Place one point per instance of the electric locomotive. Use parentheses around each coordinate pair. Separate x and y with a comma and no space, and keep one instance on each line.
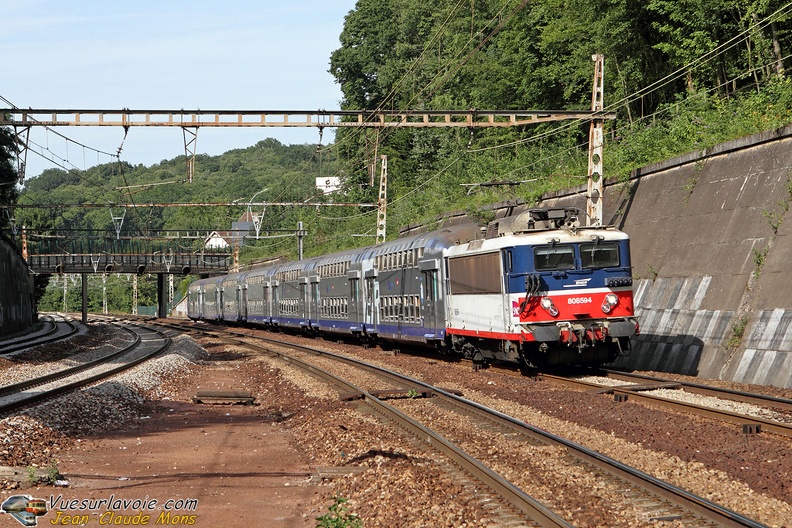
(542,291)
(536,288)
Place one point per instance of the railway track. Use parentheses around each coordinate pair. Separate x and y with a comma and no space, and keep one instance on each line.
(537,513)
(146,343)
(657,499)
(646,388)
(57,328)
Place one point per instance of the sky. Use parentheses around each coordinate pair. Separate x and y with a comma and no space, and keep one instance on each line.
(167,55)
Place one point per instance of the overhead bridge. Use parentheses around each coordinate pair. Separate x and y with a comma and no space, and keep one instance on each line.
(138,263)
(163,254)
(167,253)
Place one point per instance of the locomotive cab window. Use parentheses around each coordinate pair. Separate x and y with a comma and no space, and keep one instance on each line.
(602,255)
(550,258)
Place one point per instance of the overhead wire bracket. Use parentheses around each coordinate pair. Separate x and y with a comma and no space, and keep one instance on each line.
(257,219)
(118,221)
(190,141)
(22,136)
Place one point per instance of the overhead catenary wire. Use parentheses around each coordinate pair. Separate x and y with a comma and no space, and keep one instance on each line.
(49,129)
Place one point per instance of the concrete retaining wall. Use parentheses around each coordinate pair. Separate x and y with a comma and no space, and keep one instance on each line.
(17,304)
(712,255)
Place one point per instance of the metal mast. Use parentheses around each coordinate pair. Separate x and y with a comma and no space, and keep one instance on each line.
(596,136)
(383,201)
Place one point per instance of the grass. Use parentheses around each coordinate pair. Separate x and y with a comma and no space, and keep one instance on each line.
(338,516)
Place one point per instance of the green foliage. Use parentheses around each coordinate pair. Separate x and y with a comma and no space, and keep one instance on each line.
(8,175)
(688,188)
(32,478)
(738,331)
(759,257)
(774,218)
(53,472)
(338,516)
(652,271)
(118,288)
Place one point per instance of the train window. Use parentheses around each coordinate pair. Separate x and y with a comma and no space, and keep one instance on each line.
(475,274)
(602,255)
(549,258)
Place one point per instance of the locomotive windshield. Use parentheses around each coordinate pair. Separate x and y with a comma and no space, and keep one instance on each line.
(554,258)
(602,255)
(559,257)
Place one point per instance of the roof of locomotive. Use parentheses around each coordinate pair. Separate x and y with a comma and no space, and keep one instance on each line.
(540,237)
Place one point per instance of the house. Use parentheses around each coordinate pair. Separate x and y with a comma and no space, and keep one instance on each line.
(218,240)
(233,238)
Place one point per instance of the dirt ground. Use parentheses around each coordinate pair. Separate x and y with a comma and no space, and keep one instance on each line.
(225,463)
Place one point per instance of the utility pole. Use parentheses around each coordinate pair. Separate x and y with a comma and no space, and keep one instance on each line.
(596,138)
(170,289)
(382,202)
(134,294)
(104,293)
(300,234)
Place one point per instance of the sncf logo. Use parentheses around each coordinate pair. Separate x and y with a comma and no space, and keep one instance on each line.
(578,283)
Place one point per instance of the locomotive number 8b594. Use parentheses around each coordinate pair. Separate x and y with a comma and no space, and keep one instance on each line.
(537,289)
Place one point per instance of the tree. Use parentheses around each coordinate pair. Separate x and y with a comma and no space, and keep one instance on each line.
(8,174)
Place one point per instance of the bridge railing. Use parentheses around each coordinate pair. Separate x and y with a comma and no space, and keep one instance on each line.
(177,263)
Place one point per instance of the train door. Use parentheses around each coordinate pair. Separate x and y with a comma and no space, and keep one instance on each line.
(242,302)
(371,304)
(266,301)
(220,304)
(313,305)
(522,286)
(354,297)
(400,299)
(430,294)
(275,299)
(202,301)
(303,300)
(509,310)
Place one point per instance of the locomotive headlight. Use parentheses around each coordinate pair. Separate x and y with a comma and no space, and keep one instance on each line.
(547,304)
(611,300)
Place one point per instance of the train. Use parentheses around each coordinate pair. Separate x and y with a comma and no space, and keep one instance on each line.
(535,289)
